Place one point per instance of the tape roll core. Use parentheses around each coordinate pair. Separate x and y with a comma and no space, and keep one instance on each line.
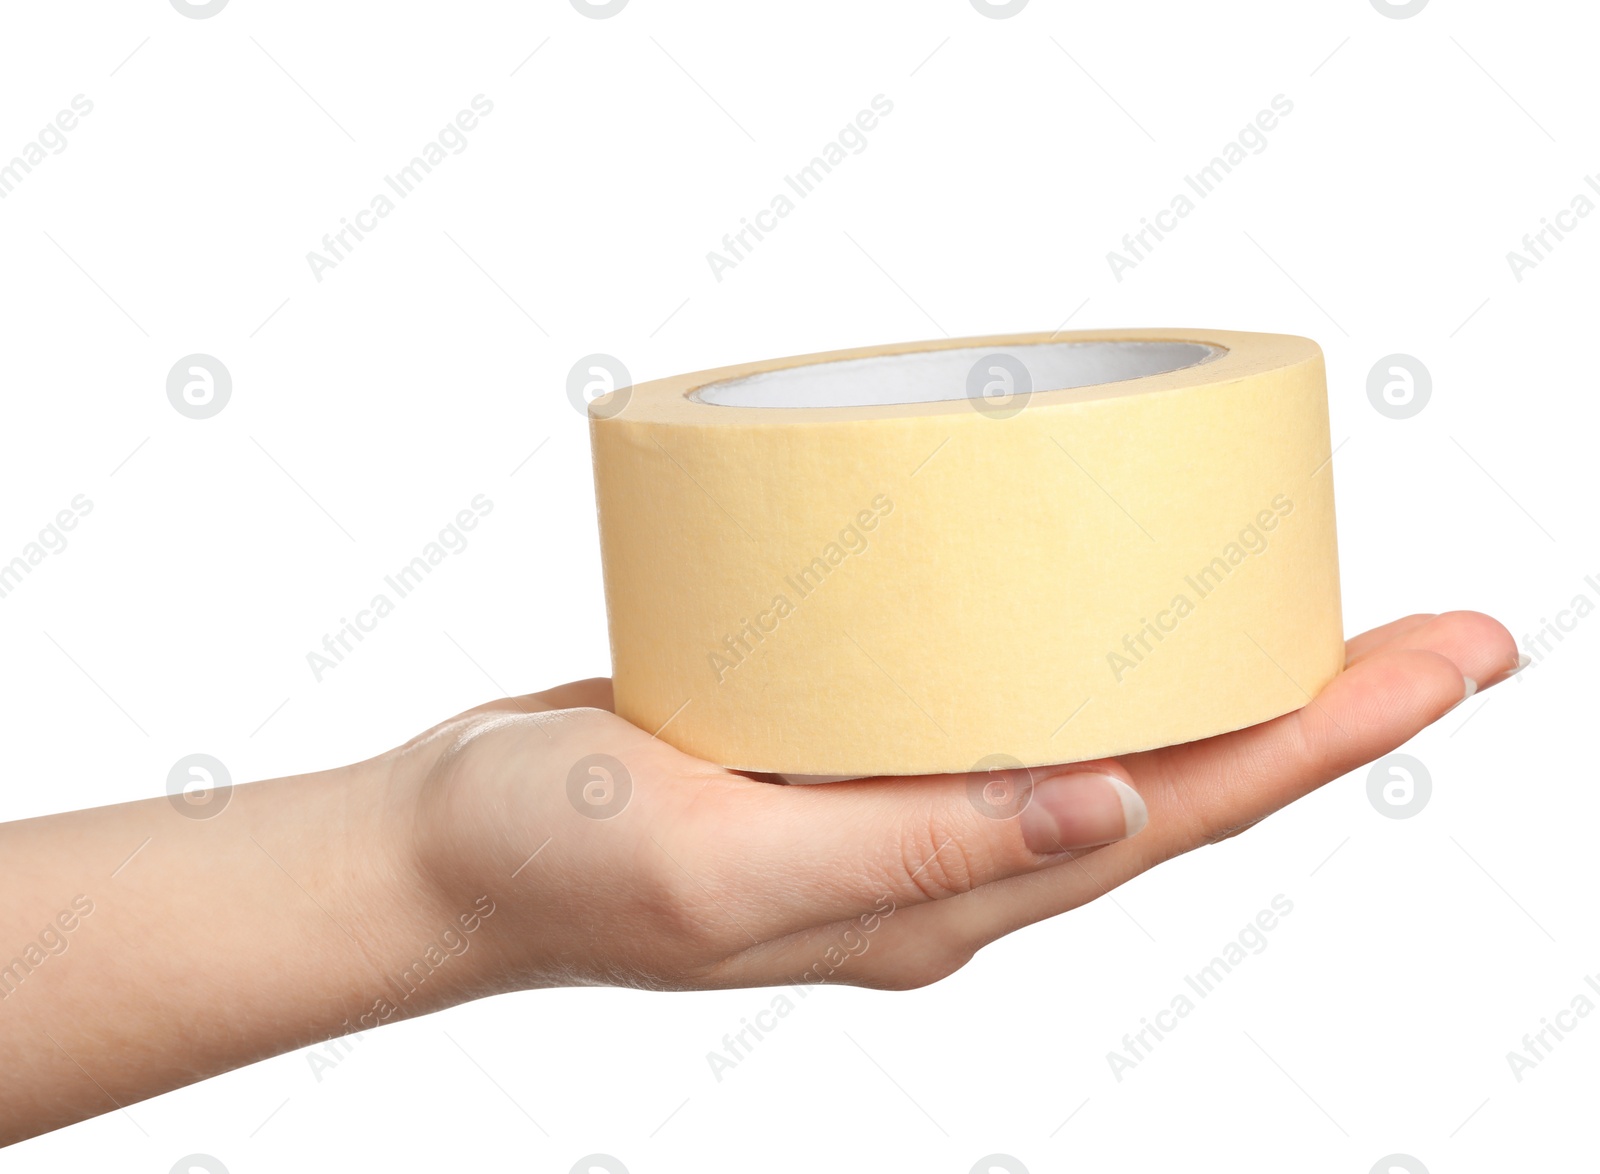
(917,558)
(928,376)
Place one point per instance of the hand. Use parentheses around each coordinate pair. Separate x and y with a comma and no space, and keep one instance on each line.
(701,877)
(471,861)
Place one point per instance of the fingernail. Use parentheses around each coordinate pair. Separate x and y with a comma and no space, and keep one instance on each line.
(1523,661)
(1472,687)
(1079,810)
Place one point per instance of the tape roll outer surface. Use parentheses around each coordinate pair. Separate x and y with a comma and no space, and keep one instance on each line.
(929,587)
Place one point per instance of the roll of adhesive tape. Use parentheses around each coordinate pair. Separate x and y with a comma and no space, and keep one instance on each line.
(952,555)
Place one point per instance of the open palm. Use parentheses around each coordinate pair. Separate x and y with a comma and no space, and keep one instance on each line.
(677,873)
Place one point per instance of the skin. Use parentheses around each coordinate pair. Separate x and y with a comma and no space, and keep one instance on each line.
(296,911)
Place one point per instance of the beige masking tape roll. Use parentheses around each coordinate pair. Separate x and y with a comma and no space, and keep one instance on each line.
(946,556)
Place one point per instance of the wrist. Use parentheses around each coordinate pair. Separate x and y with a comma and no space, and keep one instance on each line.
(416,947)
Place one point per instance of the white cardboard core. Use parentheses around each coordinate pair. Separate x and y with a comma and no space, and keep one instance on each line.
(965,373)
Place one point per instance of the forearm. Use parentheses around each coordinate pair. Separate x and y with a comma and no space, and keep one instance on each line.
(142,949)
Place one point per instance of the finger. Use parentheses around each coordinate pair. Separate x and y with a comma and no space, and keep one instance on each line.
(1369,642)
(875,949)
(593,693)
(1196,794)
(1476,644)
(590,693)
(1210,788)
(1216,786)
(831,852)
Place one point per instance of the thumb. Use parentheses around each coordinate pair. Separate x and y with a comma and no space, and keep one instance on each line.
(833,851)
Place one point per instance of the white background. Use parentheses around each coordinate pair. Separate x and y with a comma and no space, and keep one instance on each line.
(371,406)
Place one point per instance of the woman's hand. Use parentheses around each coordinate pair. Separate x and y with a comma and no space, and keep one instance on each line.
(614,859)
(541,841)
